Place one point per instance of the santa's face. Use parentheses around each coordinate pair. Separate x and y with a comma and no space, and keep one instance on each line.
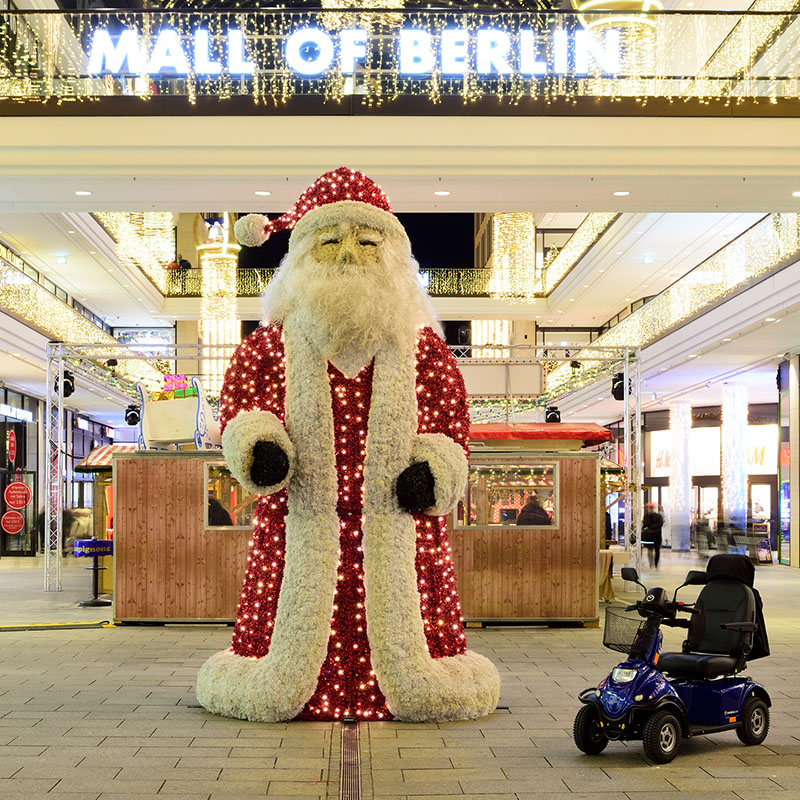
(342,246)
(354,289)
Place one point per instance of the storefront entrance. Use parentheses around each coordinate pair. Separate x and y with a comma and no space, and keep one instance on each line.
(18,534)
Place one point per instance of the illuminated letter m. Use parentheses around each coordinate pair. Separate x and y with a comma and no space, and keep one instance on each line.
(104,57)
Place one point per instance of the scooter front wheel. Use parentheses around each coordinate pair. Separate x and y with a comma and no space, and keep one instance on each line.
(587,733)
(661,737)
(755,721)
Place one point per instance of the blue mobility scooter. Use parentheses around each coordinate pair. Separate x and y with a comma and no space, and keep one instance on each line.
(662,698)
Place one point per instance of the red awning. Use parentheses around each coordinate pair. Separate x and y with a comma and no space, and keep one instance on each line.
(100,458)
(589,432)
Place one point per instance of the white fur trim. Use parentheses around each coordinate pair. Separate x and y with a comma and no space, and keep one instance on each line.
(353,211)
(277,686)
(250,230)
(416,687)
(448,464)
(241,435)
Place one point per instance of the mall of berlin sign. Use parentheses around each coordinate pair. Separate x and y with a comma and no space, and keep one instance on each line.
(310,52)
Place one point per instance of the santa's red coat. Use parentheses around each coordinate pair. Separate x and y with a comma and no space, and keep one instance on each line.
(347,685)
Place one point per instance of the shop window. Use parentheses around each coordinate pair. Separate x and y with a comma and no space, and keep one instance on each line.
(229,503)
(510,494)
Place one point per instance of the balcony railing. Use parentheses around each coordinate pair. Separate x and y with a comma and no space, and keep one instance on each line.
(439,283)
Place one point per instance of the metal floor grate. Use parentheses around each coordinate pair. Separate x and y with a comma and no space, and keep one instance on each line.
(350,774)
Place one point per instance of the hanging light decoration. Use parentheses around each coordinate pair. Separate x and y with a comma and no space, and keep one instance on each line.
(513,261)
(219,324)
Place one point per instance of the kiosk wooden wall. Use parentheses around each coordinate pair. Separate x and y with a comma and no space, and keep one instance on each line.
(511,573)
(168,566)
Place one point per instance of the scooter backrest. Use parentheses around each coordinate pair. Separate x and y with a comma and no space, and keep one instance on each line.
(731,567)
(719,602)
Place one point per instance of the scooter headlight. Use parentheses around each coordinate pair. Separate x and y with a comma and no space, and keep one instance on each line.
(620,675)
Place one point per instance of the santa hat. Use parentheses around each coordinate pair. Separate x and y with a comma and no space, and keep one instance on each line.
(337,196)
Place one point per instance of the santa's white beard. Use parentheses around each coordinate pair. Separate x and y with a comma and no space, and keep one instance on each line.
(350,312)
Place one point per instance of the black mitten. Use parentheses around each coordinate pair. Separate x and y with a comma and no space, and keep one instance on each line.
(415,488)
(270,464)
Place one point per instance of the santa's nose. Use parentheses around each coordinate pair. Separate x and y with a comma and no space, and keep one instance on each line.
(347,251)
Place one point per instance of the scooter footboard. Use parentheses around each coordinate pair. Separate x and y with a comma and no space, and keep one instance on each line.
(715,703)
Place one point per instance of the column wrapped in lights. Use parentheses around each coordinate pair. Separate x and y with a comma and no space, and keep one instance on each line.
(734,455)
(680,422)
(513,263)
(490,338)
(219,324)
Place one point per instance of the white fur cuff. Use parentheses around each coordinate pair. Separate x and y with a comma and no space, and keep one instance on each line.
(448,465)
(241,435)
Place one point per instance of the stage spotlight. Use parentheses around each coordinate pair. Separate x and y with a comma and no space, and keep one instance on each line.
(552,414)
(133,415)
(69,384)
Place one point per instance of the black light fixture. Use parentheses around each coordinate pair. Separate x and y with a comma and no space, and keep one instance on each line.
(618,386)
(133,414)
(552,414)
(69,384)
(112,362)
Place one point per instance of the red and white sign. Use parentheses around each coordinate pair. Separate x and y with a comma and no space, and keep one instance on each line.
(12,446)
(17,495)
(12,522)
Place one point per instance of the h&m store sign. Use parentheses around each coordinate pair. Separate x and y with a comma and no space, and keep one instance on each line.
(311,52)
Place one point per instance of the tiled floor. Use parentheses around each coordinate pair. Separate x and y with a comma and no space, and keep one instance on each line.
(111,714)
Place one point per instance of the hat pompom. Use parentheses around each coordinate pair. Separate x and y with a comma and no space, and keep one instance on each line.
(252,230)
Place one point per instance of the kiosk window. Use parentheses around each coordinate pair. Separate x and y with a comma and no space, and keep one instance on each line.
(228,503)
(505,495)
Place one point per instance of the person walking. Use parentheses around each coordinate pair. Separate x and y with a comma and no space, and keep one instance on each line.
(651,533)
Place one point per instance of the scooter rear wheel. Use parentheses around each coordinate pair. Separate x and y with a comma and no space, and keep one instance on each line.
(587,733)
(661,737)
(755,721)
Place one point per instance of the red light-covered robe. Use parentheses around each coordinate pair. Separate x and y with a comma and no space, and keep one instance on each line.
(349,605)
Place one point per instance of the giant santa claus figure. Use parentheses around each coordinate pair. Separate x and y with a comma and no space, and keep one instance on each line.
(347,414)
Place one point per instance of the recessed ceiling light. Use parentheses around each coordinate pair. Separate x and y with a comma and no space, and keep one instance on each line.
(621,194)
(141,299)
(663,369)
(572,299)
(83,193)
(727,339)
(795,194)
(601,270)
(125,285)
(647,259)
(16,355)
(560,311)
(442,193)
(263,193)
(61,259)
(70,231)
(627,299)
(585,285)
(770,319)
(693,355)
(92,252)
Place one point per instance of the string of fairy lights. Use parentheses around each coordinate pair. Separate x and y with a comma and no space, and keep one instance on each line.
(675,56)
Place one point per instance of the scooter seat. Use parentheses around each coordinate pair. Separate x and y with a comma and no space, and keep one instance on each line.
(696,665)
